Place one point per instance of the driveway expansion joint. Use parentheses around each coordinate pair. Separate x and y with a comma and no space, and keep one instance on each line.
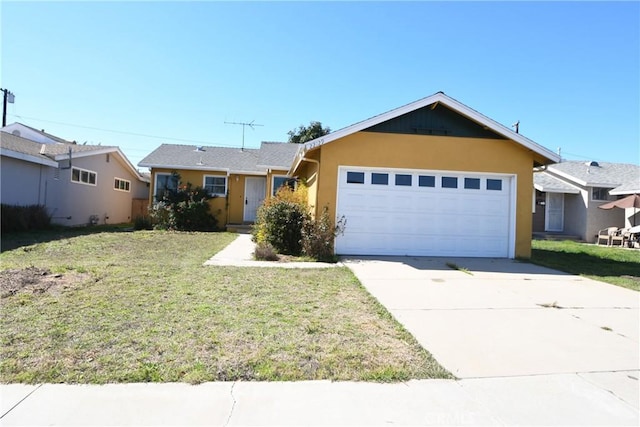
(20,401)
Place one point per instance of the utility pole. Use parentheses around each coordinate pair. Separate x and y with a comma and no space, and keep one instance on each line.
(8,97)
(251,125)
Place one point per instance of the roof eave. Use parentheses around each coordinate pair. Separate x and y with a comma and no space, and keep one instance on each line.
(27,157)
(447,101)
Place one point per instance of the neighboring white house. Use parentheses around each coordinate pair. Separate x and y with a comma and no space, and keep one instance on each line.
(568,195)
(78,184)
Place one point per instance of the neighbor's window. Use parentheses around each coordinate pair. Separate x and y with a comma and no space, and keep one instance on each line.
(216,185)
(494,184)
(426,181)
(403,179)
(599,193)
(449,182)
(121,184)
(165,182)
(355,177)
(472,183)
(380,178)
(279,181)
(83,176)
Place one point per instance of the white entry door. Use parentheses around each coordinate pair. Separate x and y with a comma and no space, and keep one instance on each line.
(554,214)
(254,191)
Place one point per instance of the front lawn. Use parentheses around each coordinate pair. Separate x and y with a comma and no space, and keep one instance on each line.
(618,266)
(140,306)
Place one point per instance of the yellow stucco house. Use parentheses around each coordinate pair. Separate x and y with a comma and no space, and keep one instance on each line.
(239,179)
(431,178)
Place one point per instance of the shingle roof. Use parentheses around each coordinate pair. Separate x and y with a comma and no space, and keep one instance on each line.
(58,149)
(20,145)
(606,175)
(48,154)
(542,181)
(251,160)
(277,155)
(45,134)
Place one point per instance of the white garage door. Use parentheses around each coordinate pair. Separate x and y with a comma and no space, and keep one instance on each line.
(425,213)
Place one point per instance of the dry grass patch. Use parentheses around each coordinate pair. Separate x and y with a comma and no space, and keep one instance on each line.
(143,308)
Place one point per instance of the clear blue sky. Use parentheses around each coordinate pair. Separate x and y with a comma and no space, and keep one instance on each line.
(568,71)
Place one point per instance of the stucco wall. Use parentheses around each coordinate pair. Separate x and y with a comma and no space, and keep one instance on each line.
(575,215)
(72,203)
(431,152)
(22,183)
(227,210)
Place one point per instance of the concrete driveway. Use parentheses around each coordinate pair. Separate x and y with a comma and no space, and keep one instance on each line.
(503,318)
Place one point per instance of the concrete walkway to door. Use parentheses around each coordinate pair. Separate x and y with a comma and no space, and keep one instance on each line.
(498,318)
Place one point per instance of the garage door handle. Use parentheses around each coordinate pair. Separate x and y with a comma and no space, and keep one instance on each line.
(246,201)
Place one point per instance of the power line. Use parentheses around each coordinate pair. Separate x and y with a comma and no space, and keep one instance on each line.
(124,132)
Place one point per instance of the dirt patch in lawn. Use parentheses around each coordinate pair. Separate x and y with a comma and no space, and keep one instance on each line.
(37,281)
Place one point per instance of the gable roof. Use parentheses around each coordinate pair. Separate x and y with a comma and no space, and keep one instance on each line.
(622,178)
(23,149)
(12,128)
(543,181)
(277,155)
(50,154)
(271,155)
(447,101)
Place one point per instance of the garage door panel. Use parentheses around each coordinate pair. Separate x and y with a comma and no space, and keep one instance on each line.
(424,221)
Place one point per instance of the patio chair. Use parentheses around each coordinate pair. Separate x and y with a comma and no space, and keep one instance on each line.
(606,234)
(620,238)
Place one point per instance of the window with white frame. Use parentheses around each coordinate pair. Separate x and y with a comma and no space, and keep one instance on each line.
(121,184)
(599,193)
(280,180)
(83,176)
(215,185)
(165,182)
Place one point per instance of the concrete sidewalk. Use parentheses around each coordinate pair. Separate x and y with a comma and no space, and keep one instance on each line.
(535,400)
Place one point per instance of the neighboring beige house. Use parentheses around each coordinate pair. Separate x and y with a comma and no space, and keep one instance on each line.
(567,196)
(78,184)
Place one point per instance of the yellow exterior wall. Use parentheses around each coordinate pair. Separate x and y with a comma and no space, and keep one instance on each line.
(229,210)
(196,178)
(375,149)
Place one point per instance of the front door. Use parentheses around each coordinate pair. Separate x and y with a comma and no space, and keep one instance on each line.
(554,212)
(254,192)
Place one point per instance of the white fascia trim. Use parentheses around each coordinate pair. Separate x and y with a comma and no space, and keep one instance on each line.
(256,173)
(615,192)
(27,157)
(449,102)
(582,182)
(80,154)
(278,168)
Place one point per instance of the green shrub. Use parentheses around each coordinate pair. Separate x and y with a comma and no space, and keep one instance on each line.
(318,236)
(280,220)
(284,223)
(186,209)
(24,218)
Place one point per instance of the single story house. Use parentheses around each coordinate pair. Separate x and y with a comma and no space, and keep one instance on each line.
(239,179)
(430,178)
(568,195)
(78,184)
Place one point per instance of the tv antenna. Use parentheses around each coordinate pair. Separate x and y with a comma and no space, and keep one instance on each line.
(244,125)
